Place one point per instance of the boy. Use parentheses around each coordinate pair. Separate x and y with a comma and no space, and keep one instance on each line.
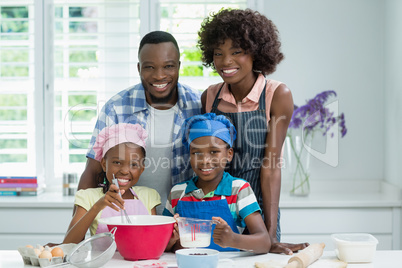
(228,200)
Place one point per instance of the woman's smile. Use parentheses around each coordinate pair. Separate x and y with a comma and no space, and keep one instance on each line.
(229,72)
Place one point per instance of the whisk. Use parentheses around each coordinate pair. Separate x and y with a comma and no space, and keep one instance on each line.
(115,182)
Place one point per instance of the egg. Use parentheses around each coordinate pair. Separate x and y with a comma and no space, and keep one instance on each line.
(37,251)
(46,255)
(41,248)
(57,252)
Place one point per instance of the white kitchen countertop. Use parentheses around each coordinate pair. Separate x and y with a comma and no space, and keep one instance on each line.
(382,259)
(43,200)
(345,193)
(325,194)
(339,200)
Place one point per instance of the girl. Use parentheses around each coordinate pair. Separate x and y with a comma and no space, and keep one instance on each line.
(214,193)
(243,47)
(121,152)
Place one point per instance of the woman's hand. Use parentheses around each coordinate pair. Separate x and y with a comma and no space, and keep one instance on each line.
(287,248)
(223,234)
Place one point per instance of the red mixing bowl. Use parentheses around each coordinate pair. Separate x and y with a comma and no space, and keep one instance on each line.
(146,237)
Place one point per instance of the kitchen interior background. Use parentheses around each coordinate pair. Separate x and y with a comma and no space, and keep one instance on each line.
(61,60)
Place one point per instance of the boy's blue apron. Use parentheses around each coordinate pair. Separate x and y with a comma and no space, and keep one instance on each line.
(252,128)
(205,210)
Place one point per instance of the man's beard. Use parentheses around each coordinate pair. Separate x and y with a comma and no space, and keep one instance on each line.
(163,100)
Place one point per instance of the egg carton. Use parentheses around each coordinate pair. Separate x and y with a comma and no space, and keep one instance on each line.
(30,258)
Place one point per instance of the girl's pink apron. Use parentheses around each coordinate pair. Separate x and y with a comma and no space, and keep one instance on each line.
(133,207)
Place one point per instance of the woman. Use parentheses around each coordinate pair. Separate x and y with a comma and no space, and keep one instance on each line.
(243,47)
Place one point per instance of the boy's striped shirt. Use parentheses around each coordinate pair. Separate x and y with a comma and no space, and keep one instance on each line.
(237,192)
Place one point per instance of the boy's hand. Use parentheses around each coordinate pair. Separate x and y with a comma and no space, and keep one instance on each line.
(223,234)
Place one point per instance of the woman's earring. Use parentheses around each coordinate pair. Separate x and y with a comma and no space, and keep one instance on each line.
(254,70)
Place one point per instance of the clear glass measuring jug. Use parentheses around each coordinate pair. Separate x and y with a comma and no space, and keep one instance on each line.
(194,232)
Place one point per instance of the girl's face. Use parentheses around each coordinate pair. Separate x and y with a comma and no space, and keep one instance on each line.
(233,64)
(208,158)
(126,162)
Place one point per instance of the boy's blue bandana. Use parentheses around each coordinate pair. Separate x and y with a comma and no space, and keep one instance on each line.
(208,124)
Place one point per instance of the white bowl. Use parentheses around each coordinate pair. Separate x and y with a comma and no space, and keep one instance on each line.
(197,258)
(355,247)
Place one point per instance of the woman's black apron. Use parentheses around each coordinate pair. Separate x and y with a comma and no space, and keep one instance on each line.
(249,146)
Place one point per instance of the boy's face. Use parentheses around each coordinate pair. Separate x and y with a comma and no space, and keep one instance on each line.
(126,162)
(209,156)
(159,71)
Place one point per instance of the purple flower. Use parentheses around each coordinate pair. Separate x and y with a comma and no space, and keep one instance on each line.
(315,116)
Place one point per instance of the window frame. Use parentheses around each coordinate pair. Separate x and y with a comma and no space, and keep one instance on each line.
(44,77)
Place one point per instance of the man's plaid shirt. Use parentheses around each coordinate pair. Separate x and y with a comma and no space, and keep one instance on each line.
(129,106)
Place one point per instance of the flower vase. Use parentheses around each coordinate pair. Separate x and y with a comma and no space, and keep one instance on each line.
(298,163)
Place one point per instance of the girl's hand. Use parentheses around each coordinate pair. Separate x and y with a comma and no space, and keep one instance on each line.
(112,198)
(175,235)
(223,234)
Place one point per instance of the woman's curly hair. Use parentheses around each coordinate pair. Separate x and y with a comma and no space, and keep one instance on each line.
(248,30)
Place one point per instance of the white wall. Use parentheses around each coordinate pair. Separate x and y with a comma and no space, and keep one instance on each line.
(393,92)
(339,45)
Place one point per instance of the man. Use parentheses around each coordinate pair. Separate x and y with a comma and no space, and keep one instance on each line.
(160,104)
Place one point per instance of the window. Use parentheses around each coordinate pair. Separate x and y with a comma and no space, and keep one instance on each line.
(183,20)
(60,61)
(17,88)
(95,55)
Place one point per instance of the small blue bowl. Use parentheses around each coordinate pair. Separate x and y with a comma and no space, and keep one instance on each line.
(197,258)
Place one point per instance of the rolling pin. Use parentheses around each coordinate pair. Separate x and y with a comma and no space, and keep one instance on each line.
(306,256)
